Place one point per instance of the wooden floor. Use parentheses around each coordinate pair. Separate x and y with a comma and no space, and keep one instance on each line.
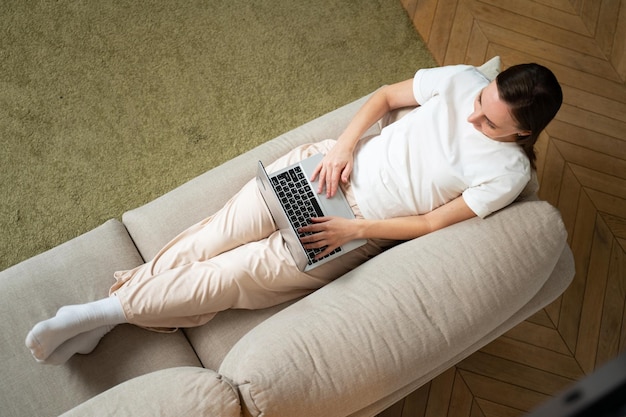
(582,168)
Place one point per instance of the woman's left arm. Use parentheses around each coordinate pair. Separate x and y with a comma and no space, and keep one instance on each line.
(335,231)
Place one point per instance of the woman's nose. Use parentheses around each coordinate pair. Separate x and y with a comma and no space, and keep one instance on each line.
(474,117)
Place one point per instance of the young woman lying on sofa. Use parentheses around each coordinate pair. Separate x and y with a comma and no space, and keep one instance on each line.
(466,150)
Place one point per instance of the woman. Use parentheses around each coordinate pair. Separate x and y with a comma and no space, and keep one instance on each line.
(465,151)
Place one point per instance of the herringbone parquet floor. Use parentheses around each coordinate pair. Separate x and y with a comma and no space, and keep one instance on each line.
(582,169)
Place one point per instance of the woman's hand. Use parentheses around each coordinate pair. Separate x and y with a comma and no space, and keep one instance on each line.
(336,166)
(329,232)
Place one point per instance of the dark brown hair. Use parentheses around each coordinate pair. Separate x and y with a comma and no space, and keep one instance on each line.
(534,96)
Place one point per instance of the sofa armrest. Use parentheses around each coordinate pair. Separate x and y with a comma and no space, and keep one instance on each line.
(175,392)
(403,317)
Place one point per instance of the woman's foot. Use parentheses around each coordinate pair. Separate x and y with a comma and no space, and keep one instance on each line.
(71,321)
(84,343)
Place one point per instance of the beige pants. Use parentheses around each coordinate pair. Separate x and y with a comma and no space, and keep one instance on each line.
(233,259)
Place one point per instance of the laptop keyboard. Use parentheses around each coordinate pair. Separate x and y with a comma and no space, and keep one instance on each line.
(298,199)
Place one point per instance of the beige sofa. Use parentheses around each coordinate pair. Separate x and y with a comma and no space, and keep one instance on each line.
(352,348)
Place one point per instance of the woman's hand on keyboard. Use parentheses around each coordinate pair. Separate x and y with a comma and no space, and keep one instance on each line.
(329,233)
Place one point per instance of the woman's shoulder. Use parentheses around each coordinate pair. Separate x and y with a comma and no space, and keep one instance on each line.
(451,79)
(451,71)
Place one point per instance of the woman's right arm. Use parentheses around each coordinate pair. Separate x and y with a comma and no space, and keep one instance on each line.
(338,163)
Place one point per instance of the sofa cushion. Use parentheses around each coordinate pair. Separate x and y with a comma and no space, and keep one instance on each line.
(77,271)
(436,299)
(176,392)
(213,341)
(491,68)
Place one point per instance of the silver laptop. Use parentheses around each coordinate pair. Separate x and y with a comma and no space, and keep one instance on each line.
(292,200)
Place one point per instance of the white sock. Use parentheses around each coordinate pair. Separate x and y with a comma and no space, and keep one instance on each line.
(70,321)
(84,343)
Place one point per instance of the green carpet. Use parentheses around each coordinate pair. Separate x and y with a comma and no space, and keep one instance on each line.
(105,105)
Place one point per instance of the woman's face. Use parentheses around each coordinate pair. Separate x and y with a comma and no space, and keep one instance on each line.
(492,117)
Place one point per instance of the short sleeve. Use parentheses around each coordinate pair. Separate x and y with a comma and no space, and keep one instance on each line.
(495,194)
(429,82)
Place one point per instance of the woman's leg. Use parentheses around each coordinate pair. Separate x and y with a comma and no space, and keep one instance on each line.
(255,275)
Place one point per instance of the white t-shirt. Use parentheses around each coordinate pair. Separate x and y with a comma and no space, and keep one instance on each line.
(433,154)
